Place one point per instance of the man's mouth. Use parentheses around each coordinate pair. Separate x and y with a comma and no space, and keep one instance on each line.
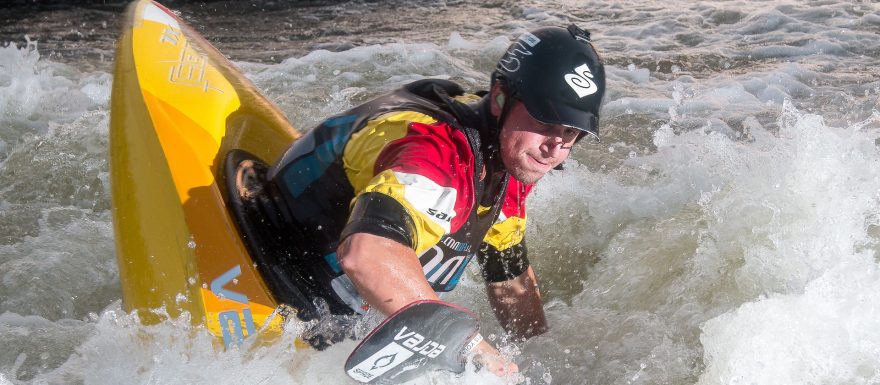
(537,160)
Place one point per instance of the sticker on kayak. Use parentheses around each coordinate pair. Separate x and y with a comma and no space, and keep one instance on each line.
(154,13)
(191,66)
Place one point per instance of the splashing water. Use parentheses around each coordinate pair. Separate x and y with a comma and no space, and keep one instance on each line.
(726,231)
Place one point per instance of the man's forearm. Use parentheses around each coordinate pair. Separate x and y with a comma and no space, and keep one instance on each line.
(386,274)
(517,305)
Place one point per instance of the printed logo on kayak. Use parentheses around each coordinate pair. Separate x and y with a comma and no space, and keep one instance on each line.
(191,68)
(581,81)
(425,195)
(406,344)
(230,320)
(154,13)
(512,60)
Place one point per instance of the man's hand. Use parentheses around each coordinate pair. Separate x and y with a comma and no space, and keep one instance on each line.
(388,276)
(491,359)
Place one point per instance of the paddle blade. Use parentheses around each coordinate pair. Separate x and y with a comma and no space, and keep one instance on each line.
(423,336)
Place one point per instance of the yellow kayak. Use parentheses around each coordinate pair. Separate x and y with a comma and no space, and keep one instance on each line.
(178,106)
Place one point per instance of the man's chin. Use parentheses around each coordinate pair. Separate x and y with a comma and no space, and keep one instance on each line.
(527,177)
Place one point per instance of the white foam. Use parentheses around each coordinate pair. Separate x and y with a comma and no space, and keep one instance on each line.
(821,280)
(711,226)
(635,75)
(825,335)
(68,266)
(34,92)
(456,41)
(320,83)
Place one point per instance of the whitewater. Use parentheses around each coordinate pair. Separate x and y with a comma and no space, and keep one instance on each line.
(725,231)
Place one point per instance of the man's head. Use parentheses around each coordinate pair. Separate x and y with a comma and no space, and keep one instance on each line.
(546,92)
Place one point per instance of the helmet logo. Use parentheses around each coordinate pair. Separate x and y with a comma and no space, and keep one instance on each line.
(581,81)
(530,39)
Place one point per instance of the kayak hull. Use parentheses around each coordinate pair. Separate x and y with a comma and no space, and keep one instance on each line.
(177,107)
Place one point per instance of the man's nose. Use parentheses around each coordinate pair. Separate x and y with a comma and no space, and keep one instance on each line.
(554,145)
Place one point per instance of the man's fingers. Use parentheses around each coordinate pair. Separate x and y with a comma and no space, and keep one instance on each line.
(492,360)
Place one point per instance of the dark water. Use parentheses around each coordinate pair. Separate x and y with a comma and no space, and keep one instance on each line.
(256,31)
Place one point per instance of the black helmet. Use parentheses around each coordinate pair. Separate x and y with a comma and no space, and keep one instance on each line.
(558,75)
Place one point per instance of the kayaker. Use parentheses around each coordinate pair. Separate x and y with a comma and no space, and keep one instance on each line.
(388,202)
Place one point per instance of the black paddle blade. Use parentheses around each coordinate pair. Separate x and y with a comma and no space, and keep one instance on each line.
(423,336)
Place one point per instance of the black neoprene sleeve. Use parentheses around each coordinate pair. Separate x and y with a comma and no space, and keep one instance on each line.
(379,214)
(502,265)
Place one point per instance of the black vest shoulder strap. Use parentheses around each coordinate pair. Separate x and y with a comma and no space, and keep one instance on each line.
(433,97)
(466,119)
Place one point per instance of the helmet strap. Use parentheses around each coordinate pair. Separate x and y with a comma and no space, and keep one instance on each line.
(499,125)
(500,100)
(502,118)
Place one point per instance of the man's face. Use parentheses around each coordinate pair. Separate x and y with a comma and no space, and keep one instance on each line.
(530,148)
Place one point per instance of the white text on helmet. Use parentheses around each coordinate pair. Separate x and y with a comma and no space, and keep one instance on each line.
(511,60)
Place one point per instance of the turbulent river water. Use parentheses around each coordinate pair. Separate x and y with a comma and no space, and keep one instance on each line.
(726,230)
